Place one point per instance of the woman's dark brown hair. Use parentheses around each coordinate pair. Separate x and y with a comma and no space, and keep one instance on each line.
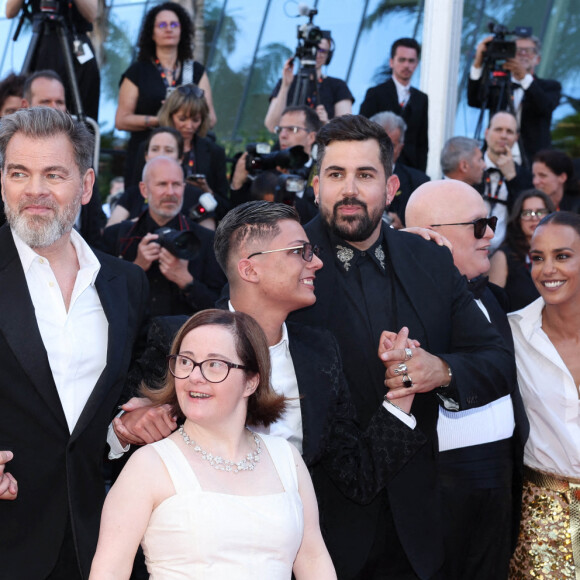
(264,405)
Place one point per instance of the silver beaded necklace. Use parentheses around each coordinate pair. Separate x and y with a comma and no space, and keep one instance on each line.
(217,462)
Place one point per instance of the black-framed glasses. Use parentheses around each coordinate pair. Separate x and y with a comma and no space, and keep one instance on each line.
(290,128)
(164,25)
(191,91)
(213,370)
(528,214)
(308,250)
(479,225)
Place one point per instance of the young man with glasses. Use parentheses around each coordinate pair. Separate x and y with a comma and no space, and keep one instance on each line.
(481,450)
(534,99)
(376,279)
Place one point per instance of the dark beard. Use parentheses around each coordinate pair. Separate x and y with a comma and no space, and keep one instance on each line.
(354,228)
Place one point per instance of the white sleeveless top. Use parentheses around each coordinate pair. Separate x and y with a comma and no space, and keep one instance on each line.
(204,535)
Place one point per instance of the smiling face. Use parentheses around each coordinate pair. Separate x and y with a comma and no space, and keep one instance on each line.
(352,190)
(203,402)
(42,188)
(285,278)
(186,124)
(555,256)
(404,64)
(547,181)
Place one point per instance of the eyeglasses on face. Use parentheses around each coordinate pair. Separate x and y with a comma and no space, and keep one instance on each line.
(191,91)
(213,370)
(290,128)
(307,251)
(525,51)
(323,50)
(529,214)
(164,25)
(479,225)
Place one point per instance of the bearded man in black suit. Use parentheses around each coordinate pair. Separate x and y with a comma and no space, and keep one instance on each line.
(397,95)
(69,318)
(376,279)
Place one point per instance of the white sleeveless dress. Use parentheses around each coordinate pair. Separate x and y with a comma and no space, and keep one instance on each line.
(203,535)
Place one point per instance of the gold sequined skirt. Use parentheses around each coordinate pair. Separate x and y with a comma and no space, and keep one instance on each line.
(549,541)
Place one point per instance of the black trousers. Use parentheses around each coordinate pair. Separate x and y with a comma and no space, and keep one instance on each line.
(476,497)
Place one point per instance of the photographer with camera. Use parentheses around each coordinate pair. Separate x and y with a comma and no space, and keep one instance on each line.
(175,252)
(298,128)
(534,99)
(328,96)
(76,17)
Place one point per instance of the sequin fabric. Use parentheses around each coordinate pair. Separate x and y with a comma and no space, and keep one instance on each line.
(548,527)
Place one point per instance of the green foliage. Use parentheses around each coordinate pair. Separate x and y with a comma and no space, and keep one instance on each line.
(566,135)
(118,52)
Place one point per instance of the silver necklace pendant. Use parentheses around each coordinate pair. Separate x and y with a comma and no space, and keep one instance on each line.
(217,462)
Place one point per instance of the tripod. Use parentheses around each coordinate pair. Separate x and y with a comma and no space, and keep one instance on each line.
(41,23)
(305,79)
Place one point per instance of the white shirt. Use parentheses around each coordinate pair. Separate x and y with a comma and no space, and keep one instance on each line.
(75,341)
(403,92)
(492,422)
(550,396)
(499,209)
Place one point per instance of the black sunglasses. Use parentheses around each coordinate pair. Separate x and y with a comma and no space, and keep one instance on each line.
(191,90)
(479,225)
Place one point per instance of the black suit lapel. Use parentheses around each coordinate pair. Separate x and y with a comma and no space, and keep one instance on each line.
(20,328)
(112,292)
(393,97)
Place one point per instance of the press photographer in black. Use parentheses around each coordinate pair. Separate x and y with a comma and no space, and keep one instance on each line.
(77,17)
(298,127)
(534,99)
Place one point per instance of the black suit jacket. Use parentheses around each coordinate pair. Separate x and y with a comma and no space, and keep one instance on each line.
(59,473)
(383,97)
(410,179)
(538,104)
(440,312)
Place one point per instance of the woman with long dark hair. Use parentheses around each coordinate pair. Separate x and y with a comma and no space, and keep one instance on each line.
(164,61)
(546,337)
(510,265)
(553,172)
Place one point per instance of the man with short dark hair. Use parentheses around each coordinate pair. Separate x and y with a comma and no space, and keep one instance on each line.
(69,320)
(397,95)
(534,99)
(298,126)
(11,89)
(179,285)
(462,159)
(44,89)
(376,279)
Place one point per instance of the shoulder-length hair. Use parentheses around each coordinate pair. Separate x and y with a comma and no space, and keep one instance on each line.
(146,44)
(515,238)
(264,405)
(191,100)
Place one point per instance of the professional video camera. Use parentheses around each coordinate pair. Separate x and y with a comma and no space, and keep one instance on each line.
(183,245)
(309,37)
(260,158)
(499,49)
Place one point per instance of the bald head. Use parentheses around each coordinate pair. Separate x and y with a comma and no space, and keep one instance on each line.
(453,202)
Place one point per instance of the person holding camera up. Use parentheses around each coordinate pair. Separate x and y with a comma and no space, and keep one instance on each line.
(298,127)
(178,284)
(534,99)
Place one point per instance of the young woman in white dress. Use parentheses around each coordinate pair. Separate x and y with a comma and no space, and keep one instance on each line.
(214,500)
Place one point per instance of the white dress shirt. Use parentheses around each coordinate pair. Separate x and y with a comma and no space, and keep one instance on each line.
(492,422)
(499,209)
(550,396)
(403,92)
(75,340)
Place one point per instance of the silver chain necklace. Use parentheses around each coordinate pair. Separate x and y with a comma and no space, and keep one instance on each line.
(217,462)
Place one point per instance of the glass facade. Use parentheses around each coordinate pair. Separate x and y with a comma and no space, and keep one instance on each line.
(248,42)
